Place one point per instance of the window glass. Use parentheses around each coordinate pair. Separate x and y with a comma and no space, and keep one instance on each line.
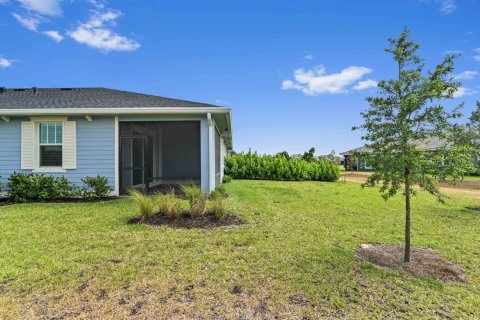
(58,133)
(51,133)
(51,138)
(50,156)
(43,133)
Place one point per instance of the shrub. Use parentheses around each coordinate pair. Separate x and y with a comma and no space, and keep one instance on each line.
(196,199)
(226,179)
(170,205)
(218,207)
(144,203)
(95,187)
(218,191)
(278,167)
(32,187)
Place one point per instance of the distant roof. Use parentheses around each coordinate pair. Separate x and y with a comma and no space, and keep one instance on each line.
(431,143)
(61,98)
(359,150)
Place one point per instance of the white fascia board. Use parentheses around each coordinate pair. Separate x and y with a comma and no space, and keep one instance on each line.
(108,111)
(230,127)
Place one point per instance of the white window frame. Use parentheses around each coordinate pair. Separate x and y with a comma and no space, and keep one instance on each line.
(37,121)
(42,144)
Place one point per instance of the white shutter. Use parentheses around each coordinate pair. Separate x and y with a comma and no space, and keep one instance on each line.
(69,145)
(28,142)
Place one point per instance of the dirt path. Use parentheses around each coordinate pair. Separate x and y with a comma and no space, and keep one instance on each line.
(468,185)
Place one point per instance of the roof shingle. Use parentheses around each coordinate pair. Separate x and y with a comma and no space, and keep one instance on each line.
(60,98)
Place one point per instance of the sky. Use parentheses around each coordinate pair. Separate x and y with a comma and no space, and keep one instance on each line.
(295,73)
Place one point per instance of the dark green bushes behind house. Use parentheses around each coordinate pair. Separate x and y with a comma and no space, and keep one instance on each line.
(278,167)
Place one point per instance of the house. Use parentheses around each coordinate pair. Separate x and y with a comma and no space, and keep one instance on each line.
(353,159)
(135,140)
(352,162)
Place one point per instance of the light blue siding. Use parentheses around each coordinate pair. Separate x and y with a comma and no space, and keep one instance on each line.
(95,149)
(10,144)
(95,146)
(203,137)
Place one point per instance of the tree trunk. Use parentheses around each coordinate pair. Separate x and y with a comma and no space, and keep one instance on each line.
(407,216)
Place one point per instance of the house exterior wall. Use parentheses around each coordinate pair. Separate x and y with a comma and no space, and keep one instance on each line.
(351,163)
(96,151)
(204,146)
(95,154)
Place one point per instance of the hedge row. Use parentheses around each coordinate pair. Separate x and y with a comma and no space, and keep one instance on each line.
(278,167)
(31,187)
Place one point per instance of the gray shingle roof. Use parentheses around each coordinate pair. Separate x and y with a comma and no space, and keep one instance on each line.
(431,143)
(360,150)
(59,98)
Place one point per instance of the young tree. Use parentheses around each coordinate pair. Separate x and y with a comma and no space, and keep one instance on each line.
(309,155)
(400,121)
(469,133)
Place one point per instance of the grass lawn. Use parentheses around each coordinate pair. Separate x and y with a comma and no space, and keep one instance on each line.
(293,258)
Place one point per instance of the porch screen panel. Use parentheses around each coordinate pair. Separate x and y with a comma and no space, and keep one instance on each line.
(159,153)
(180,150)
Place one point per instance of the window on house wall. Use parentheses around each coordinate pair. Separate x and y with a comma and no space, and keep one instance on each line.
(51,144)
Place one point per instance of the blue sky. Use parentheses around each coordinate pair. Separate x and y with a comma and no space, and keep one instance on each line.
(295,73)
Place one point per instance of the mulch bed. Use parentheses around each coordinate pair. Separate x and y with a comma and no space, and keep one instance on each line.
(4,202)
(423,263)
(206,221)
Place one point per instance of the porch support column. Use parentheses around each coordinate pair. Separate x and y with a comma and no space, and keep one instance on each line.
(116,190)
(211,154)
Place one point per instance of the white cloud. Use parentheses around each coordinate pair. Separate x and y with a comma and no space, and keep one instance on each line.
(221,102)
(97,33)
(477,54)
(308,57)
(5,63)
(455,52)
(43,7)
(462,91)
(28,22)
(55,35)
(466,75)
(317,81)
(362,85)
(447,6)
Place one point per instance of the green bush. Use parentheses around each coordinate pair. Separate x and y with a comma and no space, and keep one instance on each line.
(170,205)
(144,202)
(23,187)
(226,179)
(218,206)
(218,191)
(278,167)
(95,187)
(196,199)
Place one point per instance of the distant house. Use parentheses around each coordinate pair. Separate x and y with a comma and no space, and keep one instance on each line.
(135,140)
(353,159)
(354,163)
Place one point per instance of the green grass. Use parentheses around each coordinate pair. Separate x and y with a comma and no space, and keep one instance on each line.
(299,239)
